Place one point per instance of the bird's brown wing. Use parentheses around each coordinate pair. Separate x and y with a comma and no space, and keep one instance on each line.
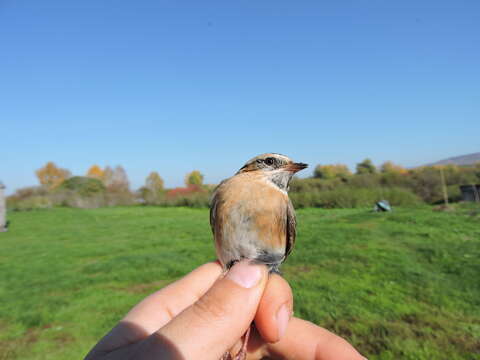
(213,210)
(213,204)
(291,228)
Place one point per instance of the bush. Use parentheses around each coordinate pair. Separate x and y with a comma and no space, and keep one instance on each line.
(83,186)
(119,198)
(29,198)
(73,199)
(350,197)
(192,196)
(366,180)
(196,200)
(30,203)
(332,171)
(312,184)
(80,192)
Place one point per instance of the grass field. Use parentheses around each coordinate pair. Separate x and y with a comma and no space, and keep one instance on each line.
(403,285)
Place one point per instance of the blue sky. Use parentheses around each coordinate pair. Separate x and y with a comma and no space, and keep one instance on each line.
(174,86)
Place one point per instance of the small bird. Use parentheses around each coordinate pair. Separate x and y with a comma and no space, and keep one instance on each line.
(252,217)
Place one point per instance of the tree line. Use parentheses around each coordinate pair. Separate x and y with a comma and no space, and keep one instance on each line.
(331,185)
(105,187)
(334,185)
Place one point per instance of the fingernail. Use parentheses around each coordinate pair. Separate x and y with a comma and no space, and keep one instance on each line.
(283,317)
(244,274)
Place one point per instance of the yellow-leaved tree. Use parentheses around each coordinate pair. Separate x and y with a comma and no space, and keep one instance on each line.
(95,172)
(152,192)
(194,178)
(51,175)
(332,171)
(107,177)
(390,167)
(154,182)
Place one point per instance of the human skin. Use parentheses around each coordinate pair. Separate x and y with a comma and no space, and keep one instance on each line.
(205,314)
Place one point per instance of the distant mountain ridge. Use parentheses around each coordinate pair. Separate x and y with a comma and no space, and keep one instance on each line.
(468,159)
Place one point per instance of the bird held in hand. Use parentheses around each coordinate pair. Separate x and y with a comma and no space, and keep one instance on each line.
(252,217)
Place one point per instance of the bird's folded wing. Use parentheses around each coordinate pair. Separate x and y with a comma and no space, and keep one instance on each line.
(291,228)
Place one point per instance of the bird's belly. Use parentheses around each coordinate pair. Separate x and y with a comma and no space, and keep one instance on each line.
(254,235)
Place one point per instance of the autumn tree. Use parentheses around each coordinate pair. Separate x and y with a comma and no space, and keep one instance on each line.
(332,171)
(366,167)
(152,192)
(119,180)
(107,177)
(95,172)
(194,178)
(390,167)
(52,176)
(154,182)
(118,187)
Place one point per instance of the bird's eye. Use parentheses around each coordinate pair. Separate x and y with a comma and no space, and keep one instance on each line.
(269,161)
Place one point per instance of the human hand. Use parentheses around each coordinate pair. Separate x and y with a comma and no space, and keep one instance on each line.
(204,314)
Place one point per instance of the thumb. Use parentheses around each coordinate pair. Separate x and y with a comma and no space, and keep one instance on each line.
(213,324)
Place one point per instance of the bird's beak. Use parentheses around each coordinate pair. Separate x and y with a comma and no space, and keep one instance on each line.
(295,167)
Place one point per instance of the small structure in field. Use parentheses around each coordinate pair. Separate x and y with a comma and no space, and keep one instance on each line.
(3,209)
(382,205)
(470,192)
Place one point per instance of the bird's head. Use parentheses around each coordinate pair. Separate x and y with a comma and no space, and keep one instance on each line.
(275,167)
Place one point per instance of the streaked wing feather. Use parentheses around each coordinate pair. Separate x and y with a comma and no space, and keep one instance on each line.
(213,205)
(213,210)
(291,228)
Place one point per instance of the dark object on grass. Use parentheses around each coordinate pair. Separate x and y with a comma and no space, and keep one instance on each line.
(382,205)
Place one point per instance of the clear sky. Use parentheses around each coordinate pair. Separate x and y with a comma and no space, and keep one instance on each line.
(174,86)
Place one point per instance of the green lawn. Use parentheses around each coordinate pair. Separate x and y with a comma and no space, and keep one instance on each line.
(404,285)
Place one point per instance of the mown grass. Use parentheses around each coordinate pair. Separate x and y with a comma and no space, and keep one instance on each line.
(397,285)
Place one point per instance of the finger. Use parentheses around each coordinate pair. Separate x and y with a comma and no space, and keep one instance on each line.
(275,309)
(212,325)
(306,341)
(160,307)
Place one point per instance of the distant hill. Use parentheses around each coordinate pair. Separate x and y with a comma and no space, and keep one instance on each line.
(469,159)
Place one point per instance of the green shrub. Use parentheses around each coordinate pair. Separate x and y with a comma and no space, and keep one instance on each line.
(83,186)
(313,184)
(454,193)
(29,198)
(351,197)
(196,200)
(365,180)
(30,203)
(119,197)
